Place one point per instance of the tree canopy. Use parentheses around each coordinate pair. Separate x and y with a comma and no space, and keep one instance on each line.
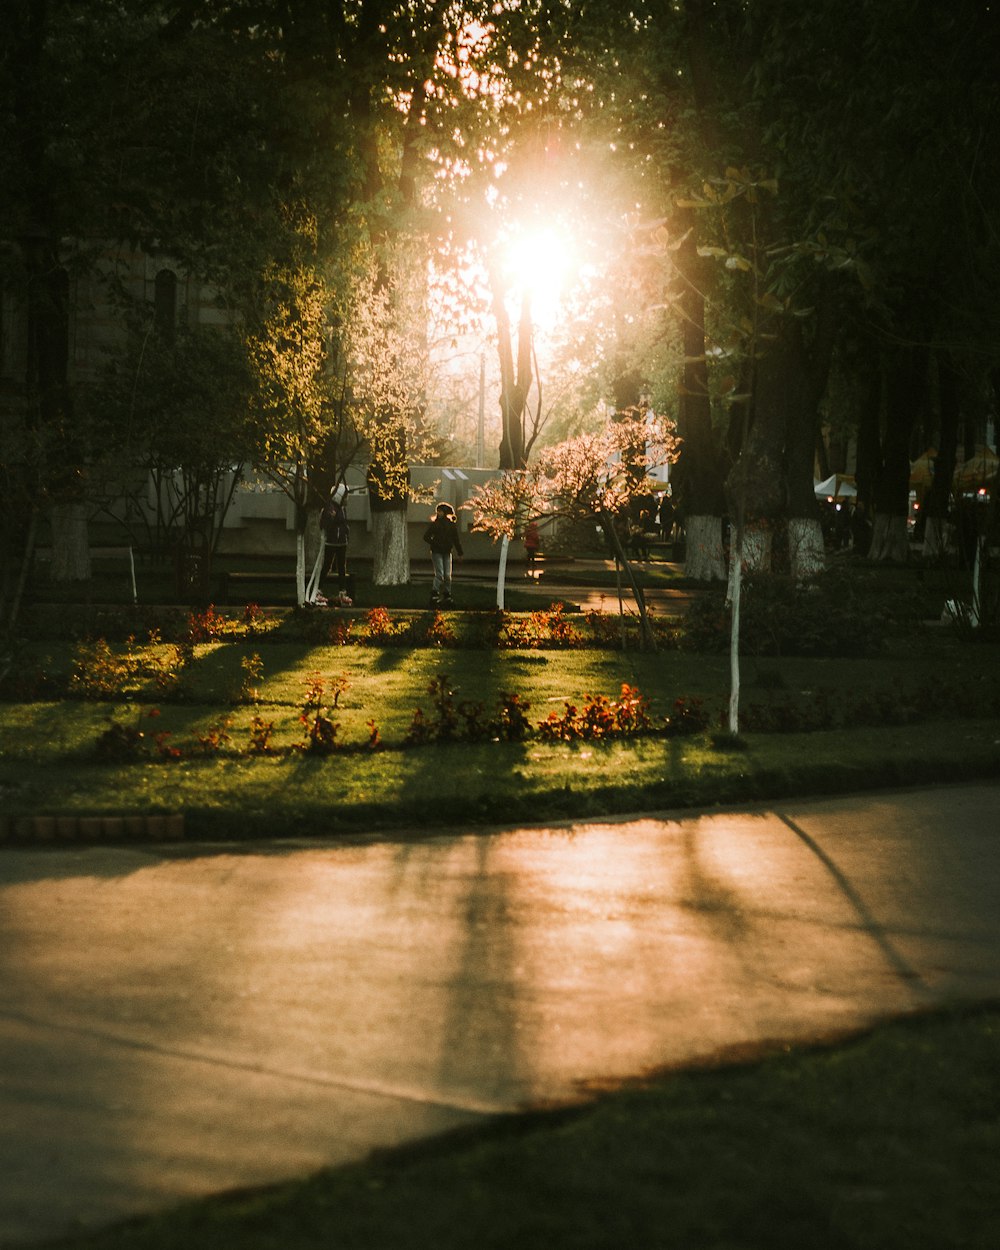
(780,219)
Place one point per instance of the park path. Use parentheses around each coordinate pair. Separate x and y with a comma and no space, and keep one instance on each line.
(557,581)
(179,1020)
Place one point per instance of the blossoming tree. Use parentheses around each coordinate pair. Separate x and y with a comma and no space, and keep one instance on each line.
(596,476)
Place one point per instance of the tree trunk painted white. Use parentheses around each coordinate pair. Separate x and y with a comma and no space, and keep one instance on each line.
(977,589)
(889,541)
(806,554)
(756,545)
(502,572)
(735,596)
(935,538)
(703,558)
(300,568)
(70,543)
(315,584)
(314,536)
(390,549)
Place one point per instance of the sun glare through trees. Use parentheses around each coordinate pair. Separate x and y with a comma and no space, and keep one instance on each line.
(539,263)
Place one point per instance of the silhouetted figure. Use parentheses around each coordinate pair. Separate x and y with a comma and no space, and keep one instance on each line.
(442,538)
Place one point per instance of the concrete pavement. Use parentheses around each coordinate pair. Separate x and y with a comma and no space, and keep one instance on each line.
(180,1020)
(557,580)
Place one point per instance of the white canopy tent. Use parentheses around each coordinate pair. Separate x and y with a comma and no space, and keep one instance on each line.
(836,486)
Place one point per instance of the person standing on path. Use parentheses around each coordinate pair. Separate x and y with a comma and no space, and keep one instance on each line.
(336,533)
(442,538)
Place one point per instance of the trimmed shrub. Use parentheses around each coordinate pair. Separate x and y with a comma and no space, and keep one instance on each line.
(782,617)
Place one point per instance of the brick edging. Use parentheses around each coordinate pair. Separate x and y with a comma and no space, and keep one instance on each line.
(165,827)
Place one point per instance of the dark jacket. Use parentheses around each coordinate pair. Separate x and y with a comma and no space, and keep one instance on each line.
(336,530)
(442,535)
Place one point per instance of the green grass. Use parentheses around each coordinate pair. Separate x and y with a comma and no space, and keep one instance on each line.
(888,1140)
(48,763)
(449,784)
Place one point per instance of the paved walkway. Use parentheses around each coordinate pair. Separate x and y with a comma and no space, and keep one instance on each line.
(559,581)
(179,1020)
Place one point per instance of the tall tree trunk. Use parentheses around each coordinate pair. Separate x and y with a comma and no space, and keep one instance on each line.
(704,552)
(701,470)
(515,374)
(70,542)
(905,397)
(823,460)
(756,485)
(390,548)
(869,440)
(937,498)
(754,541)
(300,500)
(301,573)
(698,474)
(806,555)
(388,494)
(49,409)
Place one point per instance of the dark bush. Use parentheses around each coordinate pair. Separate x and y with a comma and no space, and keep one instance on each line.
(828,616)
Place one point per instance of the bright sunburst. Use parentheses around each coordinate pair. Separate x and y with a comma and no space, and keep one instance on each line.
(539,262)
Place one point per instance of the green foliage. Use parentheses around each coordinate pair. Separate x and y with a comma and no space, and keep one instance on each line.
(545,628)
(170,410)
(101,672)
(177,402)
(382,627)
(511,723)
(97,671)
(321,729)
(467,721)
(448,720)
(253,671)
(599,718)
(440,633)
(216,737)
(780,617)
(261,736)
(120,742)
(207,625)
(823,708)
(287,350)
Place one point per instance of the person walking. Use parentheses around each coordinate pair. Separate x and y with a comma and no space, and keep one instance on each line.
(336,533)
(665,518)
(441,536)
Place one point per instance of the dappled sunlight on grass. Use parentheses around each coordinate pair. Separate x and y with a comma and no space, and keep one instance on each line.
(50,749)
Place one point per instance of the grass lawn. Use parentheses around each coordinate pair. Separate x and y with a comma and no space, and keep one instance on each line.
(889,1140)
(49,761)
